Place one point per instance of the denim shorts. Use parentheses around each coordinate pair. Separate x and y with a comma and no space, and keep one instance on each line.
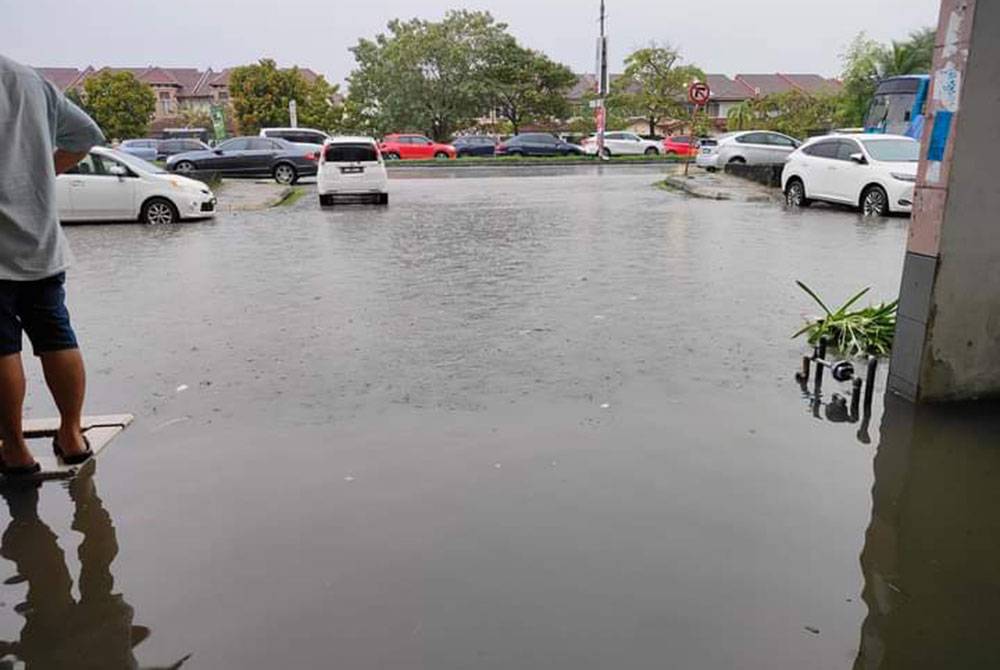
(37,308)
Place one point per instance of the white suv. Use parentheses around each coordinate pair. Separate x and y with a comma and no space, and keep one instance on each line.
(873,172)
(351,166)
(622,144)
(303,136)
(748,147)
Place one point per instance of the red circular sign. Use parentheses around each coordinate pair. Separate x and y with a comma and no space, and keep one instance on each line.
(698,93)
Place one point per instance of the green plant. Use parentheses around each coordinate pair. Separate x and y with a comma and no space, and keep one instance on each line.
(869,330)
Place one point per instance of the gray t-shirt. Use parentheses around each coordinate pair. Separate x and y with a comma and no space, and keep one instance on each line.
(35,120)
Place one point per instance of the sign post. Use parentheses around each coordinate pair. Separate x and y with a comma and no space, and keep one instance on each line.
(218,122)
(698,95)
(600,114)
(293,114)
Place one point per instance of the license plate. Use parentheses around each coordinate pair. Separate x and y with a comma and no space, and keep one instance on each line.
(706,151)
(351,170)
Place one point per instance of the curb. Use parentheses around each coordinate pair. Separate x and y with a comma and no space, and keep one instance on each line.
(685,184)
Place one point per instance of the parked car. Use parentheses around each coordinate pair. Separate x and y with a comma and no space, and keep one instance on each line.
(752,147)
(537,144)
(144,149)
(873,172)
(251,157)
(475,145)
(117,186)
(351,166)
(618,143)
(297,135)
(167,148)
(414,147)
(680,145)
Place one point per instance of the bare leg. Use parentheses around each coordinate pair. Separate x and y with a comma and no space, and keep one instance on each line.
(12,385)
(67,380)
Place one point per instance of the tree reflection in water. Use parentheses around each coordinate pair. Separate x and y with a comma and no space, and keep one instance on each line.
(59,631)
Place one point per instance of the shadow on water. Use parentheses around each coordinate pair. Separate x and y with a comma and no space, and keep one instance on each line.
(94,631)
(931,559)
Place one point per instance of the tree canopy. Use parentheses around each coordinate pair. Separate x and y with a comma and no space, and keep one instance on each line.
(526,85)
(120,104)
(793,113)
(260,94)
(654,85)
(438,77)
(866,62)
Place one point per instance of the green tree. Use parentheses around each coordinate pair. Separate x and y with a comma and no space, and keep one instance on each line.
(795,113)
(120,104)
(866,62)
(525,85)
(741,116)
(260,93)
(654,85)
(424,75)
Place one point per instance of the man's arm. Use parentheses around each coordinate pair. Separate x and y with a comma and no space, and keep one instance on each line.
(64,160)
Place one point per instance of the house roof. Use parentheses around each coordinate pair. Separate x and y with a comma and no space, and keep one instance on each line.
(767,84)
(724,88)
(62,77)
(813,83)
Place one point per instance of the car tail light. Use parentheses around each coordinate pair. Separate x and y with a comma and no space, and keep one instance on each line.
(312,155)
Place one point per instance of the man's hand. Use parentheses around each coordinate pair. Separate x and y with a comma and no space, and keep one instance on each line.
(64,160)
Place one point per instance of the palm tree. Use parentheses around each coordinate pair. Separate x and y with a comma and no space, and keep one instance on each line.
(912,56)
(740,117)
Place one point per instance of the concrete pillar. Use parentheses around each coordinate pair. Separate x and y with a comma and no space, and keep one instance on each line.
(948,336)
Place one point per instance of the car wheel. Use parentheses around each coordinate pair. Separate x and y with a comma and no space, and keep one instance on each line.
(711,169)
(652,151)
(874,201)
(383,198)
(326,200)
(158,211)
(519,154)
(284,173)
(392,156)
(184,166)
(737,160)
(606,152)
(795,194)
(441,155)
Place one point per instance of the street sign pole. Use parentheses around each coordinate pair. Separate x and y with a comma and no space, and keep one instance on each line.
(293,114)
(602,85)
(698,95)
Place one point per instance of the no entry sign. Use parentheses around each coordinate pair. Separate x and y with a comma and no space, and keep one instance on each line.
(698,93)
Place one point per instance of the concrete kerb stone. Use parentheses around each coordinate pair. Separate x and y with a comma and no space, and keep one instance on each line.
(245,195)
(721,187)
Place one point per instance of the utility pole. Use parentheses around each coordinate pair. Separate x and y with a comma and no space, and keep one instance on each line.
(602,83)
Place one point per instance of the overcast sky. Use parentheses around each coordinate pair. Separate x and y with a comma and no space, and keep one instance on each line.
(726,36)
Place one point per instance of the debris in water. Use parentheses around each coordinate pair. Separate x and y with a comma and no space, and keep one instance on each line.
(349,478)
(599,317)
(182,388)
(606,405)
(497,466)
(633,298)
(814,631)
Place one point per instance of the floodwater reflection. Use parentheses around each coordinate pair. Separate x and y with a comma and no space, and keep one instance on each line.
(60,631)
(931,559)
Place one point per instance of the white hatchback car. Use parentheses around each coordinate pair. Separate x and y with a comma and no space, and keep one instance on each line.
(111,185)
(749,147)
(622,144)
(873,172)
(351,166)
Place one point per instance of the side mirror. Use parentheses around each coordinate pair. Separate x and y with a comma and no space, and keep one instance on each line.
(118,170)
(217,152)
(859,158)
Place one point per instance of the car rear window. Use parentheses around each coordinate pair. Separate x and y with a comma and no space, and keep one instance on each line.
(351,153)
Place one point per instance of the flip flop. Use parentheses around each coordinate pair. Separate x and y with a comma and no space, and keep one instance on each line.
(19,471)
(75,459)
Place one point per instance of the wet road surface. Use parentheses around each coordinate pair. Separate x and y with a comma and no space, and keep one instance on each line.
(513,420)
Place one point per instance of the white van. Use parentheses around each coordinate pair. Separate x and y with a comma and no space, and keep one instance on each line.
(351,166)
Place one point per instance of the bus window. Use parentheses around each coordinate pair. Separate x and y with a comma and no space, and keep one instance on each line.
(898,106)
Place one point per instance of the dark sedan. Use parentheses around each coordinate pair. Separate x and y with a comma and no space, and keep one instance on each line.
(251,157)
(167,148)
(538,144)
(474,145)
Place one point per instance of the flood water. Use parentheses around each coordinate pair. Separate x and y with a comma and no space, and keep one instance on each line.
(514,420)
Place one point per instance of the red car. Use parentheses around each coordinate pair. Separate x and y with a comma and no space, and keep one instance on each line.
(680,145)
(414,147)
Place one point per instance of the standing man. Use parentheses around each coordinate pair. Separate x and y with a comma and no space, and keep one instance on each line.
(42,134)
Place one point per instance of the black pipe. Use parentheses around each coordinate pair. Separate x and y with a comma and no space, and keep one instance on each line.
(855,398)
(870,383)
(820,355)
